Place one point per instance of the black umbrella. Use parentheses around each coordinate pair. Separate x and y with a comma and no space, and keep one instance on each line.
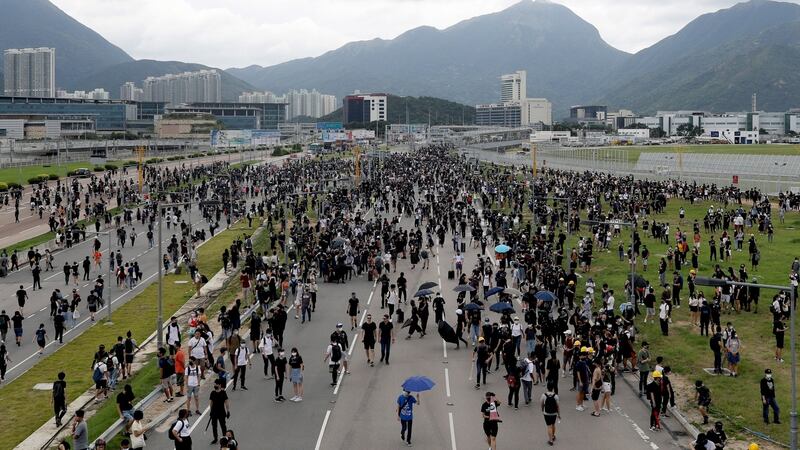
(639,282)
(501,307)
(463,288)
(447,332)
(472,307)
(428,285)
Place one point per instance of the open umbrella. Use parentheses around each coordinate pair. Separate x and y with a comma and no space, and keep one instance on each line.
(502,248)
(493,291)
(463,288)
(477,302)
(423,293)
(639,282)
(512,291)
(428,285)
(473,307)
(447,332)
(501,307)
(418,384)
(545,296)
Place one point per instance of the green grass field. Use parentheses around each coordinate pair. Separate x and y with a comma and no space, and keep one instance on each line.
(736,401)
(21,174)
(634,152)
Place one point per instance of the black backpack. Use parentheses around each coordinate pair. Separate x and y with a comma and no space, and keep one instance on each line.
(550,404)
(336,353)
(170,435)
(58,389)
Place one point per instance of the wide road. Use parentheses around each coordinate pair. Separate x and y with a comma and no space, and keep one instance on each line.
(37,307)
(30,225)
(360,412)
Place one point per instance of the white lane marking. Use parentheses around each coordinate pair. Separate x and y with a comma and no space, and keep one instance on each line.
(444,349)
(322,430)
(452,431)
(369,300)
(636,428)
(352,345)
(83,322)
(447,381)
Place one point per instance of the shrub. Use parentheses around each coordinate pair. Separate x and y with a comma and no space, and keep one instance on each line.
(130,163)
(111,167)
(153,160)
(53,176)
(72,173)
(99,168)
(3,186)
(35,180)
(14,185)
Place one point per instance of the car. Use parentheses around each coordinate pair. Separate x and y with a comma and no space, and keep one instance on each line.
(83,172)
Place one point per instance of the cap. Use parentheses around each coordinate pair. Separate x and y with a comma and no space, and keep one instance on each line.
(768,371)
(459,312)
(645,344)
(692,271)
(568,332)
(339,325)
(656,374)
(481,339)
(571,282)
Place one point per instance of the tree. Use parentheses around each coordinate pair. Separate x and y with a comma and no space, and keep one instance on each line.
(637,125)
(657,133)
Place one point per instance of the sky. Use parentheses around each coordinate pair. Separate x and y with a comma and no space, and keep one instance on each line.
(238,33)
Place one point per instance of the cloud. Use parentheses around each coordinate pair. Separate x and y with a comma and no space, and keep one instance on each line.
(236,33)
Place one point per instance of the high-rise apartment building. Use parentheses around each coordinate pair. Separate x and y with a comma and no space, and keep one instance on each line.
(96,94)
(129,91)
(29,72)
(187,87)
(365,107)
(298,102)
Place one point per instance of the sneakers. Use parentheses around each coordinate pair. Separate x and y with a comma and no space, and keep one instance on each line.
(579,408)
(293,398)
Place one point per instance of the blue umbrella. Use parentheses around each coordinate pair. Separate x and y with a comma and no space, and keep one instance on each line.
(418,384)
(493,291)
(423,293)
(472,307)
(502,248)
(501,307)
(545,296)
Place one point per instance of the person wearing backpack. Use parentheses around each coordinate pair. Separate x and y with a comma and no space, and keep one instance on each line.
(333,356)
(179,431)
(242,359)
(59,398)
(100,379)
(551,412)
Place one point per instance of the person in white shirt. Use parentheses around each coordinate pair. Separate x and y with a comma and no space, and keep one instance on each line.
(610,303)
(137,431)
(516,333)
(242,357)
(266,347)
(173,334)
(197,350)
(181,431)
(663,315)
(527,380)
(391,300)
(192,374)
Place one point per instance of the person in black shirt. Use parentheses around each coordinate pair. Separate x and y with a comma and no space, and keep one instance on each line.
(716,346)
(125,406)
(59,398)
(779,330)
(438,307)
(352,310)
(717,436)
(402,294)
(654,395)
(17,321)
(279,368)
(768,397)
(386,336)
(22,296)
(368,337)
(219,409)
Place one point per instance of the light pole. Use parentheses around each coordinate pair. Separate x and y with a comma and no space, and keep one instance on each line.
(715,282)
(160,319)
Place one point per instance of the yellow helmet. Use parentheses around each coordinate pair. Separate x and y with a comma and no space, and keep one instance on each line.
(656,374)
(584,350)
(591,349)
(753,446)
(577,343)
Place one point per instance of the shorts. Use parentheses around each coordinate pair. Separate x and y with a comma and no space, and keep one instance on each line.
(128,415)
(726,298)
(129,359)
(192,390)
(227,333)
(165,383)
(651,311)
(369,345)
(93,309)
(179,379)
(606,386)
(595,394)
(733,358)
(18,332)
(583,388)
(490,428)
(101,384)
(779,341)
(296,376)
(550,419)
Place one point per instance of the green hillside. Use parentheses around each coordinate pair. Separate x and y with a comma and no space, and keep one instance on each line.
(437,111)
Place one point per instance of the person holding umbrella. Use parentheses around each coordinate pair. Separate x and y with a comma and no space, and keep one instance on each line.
(406,402)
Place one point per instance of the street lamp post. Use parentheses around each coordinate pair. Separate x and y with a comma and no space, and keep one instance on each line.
(715,282)
(160,319)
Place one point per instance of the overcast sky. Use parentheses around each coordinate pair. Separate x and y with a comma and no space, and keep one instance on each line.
(237,33)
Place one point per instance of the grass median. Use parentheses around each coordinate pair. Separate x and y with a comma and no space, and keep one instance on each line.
(735,400)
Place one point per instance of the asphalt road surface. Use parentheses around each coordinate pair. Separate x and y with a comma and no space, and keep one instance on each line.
(37,306)
(360,412)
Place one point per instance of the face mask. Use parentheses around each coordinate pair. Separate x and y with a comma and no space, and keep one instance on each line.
(282,354)
(294,354)
(769,376)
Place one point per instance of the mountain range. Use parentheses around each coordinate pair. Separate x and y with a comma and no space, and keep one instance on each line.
(713,63)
